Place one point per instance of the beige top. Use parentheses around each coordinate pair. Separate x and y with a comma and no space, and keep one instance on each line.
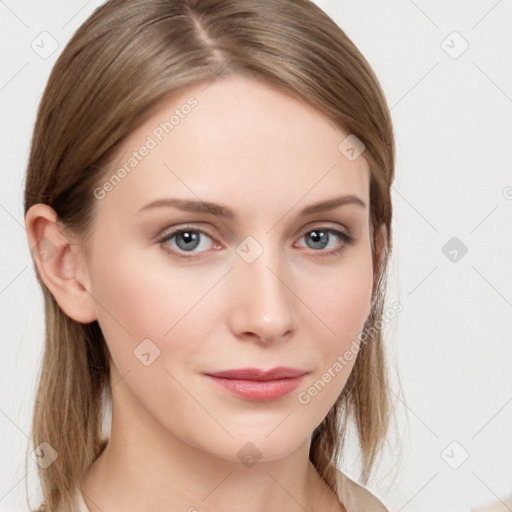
(354,497)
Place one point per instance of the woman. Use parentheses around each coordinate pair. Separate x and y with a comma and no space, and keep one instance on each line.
(208,207)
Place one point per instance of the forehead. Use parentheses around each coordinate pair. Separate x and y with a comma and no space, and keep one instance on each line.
(238,141)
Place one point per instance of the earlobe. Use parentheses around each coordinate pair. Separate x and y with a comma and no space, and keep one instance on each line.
(58,263)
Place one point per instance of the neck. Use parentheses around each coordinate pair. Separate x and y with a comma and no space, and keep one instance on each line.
(145,468)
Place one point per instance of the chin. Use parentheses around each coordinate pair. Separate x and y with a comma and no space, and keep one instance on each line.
(258,445)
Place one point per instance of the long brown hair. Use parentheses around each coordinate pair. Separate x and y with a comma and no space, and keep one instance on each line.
(128,56)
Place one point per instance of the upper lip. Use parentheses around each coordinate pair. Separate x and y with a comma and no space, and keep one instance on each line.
(280,372)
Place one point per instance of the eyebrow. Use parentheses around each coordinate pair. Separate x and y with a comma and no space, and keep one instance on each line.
(189,205)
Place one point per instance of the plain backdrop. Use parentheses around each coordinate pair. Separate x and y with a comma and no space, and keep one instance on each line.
(446,70)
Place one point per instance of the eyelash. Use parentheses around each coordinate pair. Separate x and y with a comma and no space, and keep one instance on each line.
(345,237)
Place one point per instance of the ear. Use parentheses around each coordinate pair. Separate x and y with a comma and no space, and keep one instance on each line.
(380,249)
(59,263)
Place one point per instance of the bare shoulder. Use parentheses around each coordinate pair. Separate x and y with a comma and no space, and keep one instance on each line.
(357,498)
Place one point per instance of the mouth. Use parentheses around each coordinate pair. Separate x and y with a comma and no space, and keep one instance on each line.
(259,385)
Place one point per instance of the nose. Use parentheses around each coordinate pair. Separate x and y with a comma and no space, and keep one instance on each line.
(262,299)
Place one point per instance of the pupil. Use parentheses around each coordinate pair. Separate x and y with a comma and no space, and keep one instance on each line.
(189,238)
(319,237)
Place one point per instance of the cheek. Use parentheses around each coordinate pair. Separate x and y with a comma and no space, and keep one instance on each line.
(138,300)
(142,304)
(342,306)
(348,306)
(343,301)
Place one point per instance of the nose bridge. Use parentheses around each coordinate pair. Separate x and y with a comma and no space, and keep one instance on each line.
(262,303)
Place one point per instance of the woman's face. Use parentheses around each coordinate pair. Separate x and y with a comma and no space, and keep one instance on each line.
(255,283)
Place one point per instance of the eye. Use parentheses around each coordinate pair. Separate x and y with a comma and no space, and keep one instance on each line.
(321,237)
(186,239)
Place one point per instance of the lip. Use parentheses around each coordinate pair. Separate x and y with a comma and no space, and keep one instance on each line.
(259,385)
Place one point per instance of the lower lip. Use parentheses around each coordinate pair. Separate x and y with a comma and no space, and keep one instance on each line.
(259,391)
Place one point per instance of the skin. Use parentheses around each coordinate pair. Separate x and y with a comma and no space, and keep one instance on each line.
(175,436)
